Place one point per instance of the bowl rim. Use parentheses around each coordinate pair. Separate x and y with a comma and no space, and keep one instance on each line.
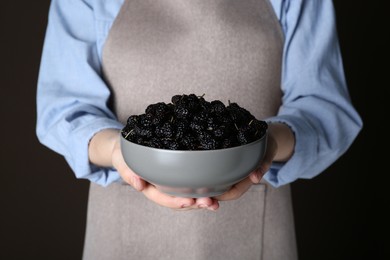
(197,151)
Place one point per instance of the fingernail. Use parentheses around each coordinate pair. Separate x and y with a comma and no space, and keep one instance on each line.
(185,206)
(136,183)
(256,176)
(202,206)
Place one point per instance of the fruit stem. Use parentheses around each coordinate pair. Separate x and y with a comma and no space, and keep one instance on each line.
(129,133)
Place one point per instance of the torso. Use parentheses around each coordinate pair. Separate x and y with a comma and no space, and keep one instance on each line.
(227,50)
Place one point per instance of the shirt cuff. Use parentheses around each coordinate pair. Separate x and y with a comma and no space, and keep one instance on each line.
(79,162)
(305,147)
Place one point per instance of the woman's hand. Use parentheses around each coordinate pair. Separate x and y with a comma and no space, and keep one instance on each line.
(152,193)
(280,147)
(254,177)
(178,203)
(104,150)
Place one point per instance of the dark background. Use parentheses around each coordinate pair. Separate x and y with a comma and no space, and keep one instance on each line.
(339,214)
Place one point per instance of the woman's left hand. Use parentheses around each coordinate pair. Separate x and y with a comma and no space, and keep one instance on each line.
(254,177)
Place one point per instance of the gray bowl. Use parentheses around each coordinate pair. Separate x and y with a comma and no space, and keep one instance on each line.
(204,173)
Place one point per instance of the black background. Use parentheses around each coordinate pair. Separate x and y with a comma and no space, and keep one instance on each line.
(339,214)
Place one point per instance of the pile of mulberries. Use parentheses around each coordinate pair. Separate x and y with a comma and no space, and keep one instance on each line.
(192,123)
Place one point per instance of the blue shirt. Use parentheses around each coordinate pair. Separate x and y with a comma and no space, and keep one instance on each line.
(72,96)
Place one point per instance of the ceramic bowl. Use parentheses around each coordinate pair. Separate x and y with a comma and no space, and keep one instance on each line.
(199,173)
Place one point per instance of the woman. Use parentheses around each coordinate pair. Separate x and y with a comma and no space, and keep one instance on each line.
(105,60)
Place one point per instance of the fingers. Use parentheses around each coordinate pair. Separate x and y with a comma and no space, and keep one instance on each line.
(265,164)
(126,173)
(214,206)
(240,188)
(207,203)
(255,176)
(236,191)
(211,204)
(152,193)
(162,199)
(179,203)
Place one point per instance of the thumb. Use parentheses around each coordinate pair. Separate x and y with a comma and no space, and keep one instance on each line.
(266,162)
(124,171)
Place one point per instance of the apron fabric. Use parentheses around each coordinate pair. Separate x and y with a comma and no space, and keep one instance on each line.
(227,50)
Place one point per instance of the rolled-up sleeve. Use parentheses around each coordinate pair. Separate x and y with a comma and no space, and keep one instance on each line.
(316,102)
(72,97)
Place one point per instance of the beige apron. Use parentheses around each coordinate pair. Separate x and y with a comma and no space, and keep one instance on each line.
(227,50)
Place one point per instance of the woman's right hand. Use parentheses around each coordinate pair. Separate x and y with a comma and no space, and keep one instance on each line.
(152,193)
(104,150)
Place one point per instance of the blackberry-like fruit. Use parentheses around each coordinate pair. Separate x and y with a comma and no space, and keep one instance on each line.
(220,132)
(230,141)
(132,121)
(207,141)
(217,107)
(166,130)
(170,144)
(145,120)
(181,112)
(189,142)
(143,131)
(176,98)
(181,128)
(190,122)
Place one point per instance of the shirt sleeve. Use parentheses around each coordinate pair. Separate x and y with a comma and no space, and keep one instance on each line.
(316,103)
(72,97)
